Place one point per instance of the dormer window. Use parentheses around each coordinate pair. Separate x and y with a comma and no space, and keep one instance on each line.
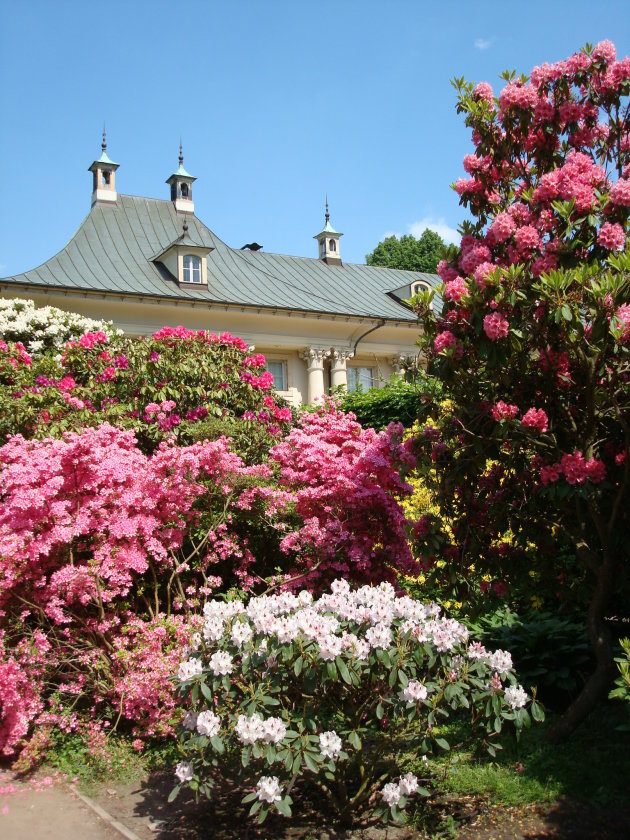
(419,286)
(192,269)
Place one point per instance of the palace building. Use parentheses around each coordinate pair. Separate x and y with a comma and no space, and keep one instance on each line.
(147,262)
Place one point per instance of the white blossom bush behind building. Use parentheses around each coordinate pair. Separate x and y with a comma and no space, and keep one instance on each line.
(46,328)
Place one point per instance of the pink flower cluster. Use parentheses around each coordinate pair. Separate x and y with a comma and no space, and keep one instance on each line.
(576,470)
(496,326)
(535,418)
(612,237)
(503,411)
(346,486)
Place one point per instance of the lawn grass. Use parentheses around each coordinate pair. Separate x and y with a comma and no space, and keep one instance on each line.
(593,766)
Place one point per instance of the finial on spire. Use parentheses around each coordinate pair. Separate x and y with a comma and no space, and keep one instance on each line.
(181,153)
(327,213)
(104,143)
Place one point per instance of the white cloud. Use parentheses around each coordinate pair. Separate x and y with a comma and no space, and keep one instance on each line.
(483,43)
(440,226)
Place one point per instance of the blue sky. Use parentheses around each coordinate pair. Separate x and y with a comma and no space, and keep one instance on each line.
(278,103)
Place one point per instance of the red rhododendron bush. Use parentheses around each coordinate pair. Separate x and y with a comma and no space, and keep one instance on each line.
(530,459)
(113,534)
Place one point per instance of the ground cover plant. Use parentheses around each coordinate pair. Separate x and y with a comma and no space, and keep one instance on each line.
(287,689)
(531,463)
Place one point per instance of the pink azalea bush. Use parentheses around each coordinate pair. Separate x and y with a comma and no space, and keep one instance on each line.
(106,548)
(534,450)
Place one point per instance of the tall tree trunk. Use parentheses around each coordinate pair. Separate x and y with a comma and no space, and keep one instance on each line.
(598,684)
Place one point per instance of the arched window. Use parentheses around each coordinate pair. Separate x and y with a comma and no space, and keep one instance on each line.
(106,178)
(184,190)
(419,286)
(333,245)
(192,269)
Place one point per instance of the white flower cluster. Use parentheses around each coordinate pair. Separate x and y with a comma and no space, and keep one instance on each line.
(330,745)
(45,328)
(184,771)
(414,691)
(516,696)
(500,660)
(379,615)
(268,789)
(393,792)
(251,729)
(189,669)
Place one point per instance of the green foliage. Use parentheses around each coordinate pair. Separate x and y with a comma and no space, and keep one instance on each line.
(551,654)
(409,253)
(622,683)
(399,401)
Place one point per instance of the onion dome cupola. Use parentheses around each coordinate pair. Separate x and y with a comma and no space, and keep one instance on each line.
(328,239)
(104,176)
(181,186)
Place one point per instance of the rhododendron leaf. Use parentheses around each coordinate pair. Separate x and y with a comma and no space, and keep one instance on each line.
(403,679)
(297,666)
(537,711)
(248,798)
(206,691)
(354,740)
(380,711)
(246,755)
(343,670)
(442,743)
(295,764)
(284,807)
(310,762)
(217,744)
(173,794)
(393,677)
(332,670)
(255,807)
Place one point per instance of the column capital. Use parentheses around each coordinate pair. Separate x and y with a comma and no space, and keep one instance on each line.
(340,357)
(314,357)
(401,361)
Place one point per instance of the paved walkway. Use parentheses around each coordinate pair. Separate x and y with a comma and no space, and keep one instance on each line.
(45,809)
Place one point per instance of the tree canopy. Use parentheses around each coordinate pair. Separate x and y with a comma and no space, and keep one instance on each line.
(409,253)
(529,455)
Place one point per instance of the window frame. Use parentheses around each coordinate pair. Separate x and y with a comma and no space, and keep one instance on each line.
(285,378)
(193,268)
(352,387)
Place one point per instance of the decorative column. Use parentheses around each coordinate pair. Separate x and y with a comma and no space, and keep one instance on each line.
(314,358)
(338,368)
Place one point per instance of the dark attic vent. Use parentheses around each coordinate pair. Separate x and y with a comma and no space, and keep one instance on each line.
(251,246)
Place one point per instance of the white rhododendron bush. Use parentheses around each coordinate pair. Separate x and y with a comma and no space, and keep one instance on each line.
(47,327)
(287,691)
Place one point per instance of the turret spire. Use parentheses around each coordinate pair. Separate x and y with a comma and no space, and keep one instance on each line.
(328,239)
(104,141)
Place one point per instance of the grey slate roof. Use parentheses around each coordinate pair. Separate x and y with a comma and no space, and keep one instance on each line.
(113,248)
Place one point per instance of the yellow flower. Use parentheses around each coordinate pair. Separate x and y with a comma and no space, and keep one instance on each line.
(536,602)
